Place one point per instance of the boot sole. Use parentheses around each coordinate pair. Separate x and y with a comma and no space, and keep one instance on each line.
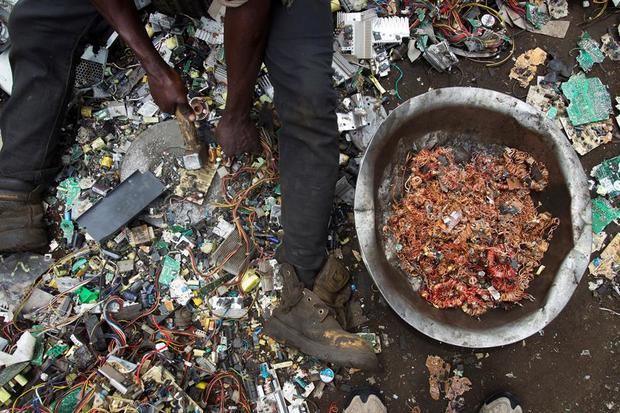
(21,240)
(312,348)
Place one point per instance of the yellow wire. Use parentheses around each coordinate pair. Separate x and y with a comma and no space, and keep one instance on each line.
(602,10)
(24,393)
(38,386)
(501,62)
(501,21)
(445,26)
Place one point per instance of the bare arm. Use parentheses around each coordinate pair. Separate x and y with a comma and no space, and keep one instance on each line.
(167,87)
(245,35)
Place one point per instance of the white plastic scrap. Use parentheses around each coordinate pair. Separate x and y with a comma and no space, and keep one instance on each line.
(453,219)
(390,30)
(24,349)
(347,19)
(363,30)
(558,8)
(180,292)
(160,22)
(223,228)
(211,32)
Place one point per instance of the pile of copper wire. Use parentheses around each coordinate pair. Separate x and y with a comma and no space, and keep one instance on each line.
(470,231)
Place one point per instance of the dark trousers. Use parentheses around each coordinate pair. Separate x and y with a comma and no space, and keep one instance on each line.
(46,41)
(47,38)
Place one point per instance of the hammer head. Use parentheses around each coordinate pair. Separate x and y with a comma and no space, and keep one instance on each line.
(196,158)
(196,153)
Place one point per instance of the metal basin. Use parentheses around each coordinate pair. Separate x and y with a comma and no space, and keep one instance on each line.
(486,117)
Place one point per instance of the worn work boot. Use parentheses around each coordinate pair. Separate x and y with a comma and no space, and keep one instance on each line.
(21,217)
(305,276)
(332,287)
(302,320)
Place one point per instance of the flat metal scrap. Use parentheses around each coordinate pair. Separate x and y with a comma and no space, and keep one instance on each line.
(345,192)
(17,274)
(362,121)
(440,56)
(343,70)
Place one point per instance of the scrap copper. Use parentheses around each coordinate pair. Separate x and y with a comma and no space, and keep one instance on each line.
(438,371)
(471,230)
(453,387)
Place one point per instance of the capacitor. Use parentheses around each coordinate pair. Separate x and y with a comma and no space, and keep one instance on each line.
(129,296)
(488,20)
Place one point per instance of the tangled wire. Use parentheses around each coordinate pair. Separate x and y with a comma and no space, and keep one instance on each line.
(470,231)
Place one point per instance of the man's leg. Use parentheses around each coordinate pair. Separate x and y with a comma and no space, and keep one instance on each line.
(45,38)
(245,35)
(299,58)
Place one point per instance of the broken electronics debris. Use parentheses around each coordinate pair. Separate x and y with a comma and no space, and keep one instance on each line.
(156,285)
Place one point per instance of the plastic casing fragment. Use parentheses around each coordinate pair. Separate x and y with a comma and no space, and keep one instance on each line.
(484,116)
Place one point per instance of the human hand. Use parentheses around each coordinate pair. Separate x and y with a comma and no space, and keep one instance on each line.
(169,91)
(237,135)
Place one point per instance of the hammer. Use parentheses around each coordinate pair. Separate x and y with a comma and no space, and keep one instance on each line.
(196,153)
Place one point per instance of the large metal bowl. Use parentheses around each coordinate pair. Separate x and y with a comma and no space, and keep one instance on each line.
(486,117)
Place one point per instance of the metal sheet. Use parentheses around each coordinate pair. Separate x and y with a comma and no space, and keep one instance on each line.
(121,205)
(146,152)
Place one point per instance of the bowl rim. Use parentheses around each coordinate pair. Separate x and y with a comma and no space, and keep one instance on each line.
(571,268)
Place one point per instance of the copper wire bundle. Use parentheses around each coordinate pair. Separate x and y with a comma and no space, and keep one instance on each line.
(470,231)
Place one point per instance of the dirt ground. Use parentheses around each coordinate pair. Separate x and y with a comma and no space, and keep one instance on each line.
(550,371)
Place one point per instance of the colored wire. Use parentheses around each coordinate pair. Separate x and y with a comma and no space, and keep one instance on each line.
(400,77)
(115,326)
(604,4)
(219,379)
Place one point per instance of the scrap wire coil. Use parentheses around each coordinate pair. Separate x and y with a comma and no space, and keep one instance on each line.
(471,231)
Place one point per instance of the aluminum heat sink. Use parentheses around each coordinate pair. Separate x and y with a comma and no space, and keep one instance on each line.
(240,257)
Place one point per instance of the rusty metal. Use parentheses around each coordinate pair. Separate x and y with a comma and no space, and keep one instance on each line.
(448,115)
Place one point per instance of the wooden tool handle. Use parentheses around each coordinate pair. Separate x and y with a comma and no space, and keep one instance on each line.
(188,130)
